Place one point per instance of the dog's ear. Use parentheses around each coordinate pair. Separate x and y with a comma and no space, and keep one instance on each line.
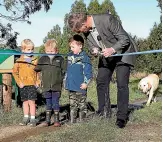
(149,86)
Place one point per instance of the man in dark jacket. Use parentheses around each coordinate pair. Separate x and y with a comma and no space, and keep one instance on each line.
(52,71)
(104,32)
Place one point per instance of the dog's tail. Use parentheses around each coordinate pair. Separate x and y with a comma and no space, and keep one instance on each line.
(159,74)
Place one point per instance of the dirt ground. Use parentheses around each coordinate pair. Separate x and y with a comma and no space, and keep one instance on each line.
(19,133)
(132,133)
(148,132)
(143,133)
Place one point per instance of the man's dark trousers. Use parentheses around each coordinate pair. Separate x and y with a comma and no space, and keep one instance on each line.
(105,71)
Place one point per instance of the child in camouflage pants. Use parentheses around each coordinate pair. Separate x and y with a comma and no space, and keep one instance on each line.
(78,76)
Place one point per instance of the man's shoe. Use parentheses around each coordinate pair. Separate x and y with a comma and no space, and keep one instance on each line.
(121,123)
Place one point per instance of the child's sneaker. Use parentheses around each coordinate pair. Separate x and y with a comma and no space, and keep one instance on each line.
(24,122)
(32,123)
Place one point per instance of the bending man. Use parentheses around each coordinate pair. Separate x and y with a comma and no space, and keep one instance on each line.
(105,32)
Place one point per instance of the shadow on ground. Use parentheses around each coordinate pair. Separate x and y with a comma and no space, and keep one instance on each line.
(65,112)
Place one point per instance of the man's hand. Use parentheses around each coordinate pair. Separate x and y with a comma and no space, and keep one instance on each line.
(108,52)
(21,85)
(83,86)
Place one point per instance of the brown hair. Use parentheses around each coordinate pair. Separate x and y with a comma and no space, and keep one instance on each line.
(51,43)
(76,20)
(25,43)
(79,39)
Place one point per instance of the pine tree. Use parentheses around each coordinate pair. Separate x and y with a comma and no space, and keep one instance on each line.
(94,7)
(78,7)
(107,6)
(15,11)
(54,33)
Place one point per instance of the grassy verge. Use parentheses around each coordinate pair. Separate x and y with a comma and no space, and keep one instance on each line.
(139,128)
(97,130)
(150,114)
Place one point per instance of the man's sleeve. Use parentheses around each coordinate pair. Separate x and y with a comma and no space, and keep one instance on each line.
(119,33)
(87,70)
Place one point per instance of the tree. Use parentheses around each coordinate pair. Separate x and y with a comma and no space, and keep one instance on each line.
(66,35)
(155,42)
(18,10)
(150,62)
(107,6)
(94,7)
(78,7)
(141,62)
(7,36)
(160,4)
(41,49)
(56,34)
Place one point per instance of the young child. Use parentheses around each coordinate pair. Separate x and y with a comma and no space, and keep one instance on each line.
(26,78)
(78,76)
(52,70)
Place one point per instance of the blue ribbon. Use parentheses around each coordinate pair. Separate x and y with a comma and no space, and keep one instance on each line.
(43,54)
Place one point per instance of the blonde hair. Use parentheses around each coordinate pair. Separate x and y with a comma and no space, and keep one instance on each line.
(51,43)
(25,43)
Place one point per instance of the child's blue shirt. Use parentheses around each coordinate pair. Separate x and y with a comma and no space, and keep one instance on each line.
(79,70)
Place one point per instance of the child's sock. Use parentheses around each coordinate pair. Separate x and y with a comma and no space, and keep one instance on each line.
(26,116)
(32,117)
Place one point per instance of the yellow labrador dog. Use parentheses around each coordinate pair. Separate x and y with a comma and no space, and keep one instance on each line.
(148,86)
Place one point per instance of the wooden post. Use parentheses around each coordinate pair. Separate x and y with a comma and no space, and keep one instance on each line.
(1,96)
(7,91)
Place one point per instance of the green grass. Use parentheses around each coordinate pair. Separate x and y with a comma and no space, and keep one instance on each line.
(103,130)
(11,118)
(98,130)
(95,130)
(152,114)
(15,116)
